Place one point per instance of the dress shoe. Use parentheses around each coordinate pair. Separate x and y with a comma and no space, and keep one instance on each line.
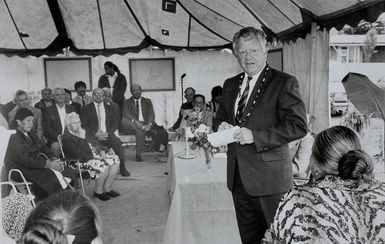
(103,196)
(123,171)
(113,193)
(139,158)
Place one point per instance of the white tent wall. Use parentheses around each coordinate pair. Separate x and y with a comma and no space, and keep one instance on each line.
(308,60)
(204,70)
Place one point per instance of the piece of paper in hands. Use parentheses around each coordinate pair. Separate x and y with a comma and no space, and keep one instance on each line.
(222,137)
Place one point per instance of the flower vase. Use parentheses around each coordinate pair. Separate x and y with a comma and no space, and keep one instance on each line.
(209,158)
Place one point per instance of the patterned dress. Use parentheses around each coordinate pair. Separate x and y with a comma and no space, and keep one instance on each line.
(331,211)
(97,165)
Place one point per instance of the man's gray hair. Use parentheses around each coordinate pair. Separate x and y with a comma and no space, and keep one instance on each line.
(249,33)
(69,118)
(18,94)
(57,90)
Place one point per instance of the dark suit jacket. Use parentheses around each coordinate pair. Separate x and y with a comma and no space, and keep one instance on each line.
(119,88)
(52,125)
(277,118)
(185,106)
(41,105)
(129,109)
(75,147)
(89,119)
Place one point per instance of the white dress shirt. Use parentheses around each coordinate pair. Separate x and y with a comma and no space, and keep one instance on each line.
(101,117)
(252,83)
(62,114)
(111,80)
(140,108)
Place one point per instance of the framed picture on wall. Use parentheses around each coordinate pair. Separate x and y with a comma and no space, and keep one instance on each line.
(275,58)
(155,74)
(64,72)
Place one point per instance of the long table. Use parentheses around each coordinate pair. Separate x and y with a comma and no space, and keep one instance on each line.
(202,209)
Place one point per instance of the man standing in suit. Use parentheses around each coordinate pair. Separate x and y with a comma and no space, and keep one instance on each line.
(116,81)
(138,116)
(54,117)
(100,124)
(266,104)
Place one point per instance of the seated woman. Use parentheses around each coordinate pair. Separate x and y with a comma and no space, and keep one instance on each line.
(343,204)
(66,217)
(101,162)
(25,152)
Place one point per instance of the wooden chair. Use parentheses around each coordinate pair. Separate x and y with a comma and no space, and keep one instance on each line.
(71,162)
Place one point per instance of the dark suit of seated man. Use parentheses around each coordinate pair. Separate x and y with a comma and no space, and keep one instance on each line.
(138,116)
(99,122)
(54,120)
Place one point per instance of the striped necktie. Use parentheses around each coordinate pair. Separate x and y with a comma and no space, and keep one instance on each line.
(242,101)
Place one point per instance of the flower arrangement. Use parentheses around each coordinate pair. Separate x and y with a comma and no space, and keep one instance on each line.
(199,137)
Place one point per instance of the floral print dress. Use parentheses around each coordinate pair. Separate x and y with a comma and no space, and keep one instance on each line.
(98,165)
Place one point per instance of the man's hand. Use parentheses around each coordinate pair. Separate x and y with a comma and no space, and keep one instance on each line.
(147,127)
(224,126)
(243,136)
(138,124)
(101,136)
(111,152)
(57,165)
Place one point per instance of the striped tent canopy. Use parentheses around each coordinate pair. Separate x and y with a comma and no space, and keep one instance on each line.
(94,27)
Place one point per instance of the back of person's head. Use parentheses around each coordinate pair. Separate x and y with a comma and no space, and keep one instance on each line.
(337,151)
(355,165)
(61,216)
(216,91)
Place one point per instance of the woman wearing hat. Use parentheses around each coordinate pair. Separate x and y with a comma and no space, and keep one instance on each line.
(25,151)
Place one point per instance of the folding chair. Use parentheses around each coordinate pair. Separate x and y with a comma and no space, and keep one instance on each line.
(19,186)
(71,161)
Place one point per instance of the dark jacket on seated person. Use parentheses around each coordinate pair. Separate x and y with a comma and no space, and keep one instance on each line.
(23,154)
(52,125)
(75,147)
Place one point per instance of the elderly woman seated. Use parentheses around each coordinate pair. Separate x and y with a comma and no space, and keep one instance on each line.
(343,204)
(101,162)
(33,158)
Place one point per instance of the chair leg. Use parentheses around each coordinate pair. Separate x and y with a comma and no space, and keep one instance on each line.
(81,179)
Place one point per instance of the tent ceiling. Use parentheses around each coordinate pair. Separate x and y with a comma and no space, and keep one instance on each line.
(94,27)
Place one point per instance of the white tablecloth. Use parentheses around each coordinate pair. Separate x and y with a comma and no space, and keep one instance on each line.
(202,209)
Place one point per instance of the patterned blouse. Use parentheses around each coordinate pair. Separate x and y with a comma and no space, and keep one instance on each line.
(331,210)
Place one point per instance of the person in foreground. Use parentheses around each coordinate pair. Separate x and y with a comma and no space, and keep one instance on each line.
(64,218)
(100,161)
(343,203)
(25,151)
(266,104)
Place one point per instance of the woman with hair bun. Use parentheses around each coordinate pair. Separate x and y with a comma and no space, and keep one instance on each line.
(342,204)
(64,218)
